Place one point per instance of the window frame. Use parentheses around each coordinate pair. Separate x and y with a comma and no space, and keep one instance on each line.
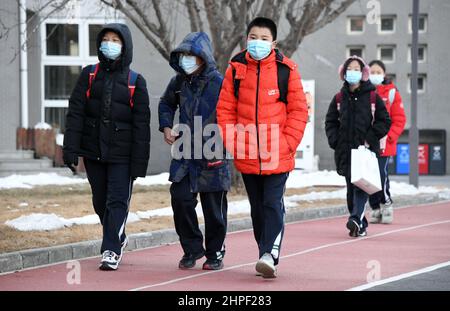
(425,24)
(394,53)
(349,47)
(425,53)
(419,91)
(388,32)
(349,25)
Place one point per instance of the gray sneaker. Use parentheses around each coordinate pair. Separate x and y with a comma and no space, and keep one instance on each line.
(266,267)
(387,214)
(375,216)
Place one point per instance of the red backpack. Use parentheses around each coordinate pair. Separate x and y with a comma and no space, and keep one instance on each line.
(132,77)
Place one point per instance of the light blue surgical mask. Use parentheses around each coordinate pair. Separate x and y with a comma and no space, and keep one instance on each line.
(110,49)
(259,49)
(376,79)
(188,63)
(353,77)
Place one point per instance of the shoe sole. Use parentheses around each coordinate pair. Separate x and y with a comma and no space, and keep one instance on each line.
(210,268)
(353,227)
(265,270)
(108,267)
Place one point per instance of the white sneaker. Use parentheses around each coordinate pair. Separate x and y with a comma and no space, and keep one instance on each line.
(375,216)
(387,214)
(266,267)
(110,261)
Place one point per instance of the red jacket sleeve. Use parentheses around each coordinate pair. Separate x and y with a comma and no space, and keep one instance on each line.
(398,118)
(297,111)
(227,112)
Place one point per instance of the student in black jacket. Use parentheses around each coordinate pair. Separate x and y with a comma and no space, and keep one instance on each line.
(108,124)
(352,120)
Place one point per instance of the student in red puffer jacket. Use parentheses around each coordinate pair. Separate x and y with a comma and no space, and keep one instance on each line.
(381,202)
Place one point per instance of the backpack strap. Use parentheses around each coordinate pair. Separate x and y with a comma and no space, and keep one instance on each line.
(236,84)
(391,95)
(338,101)
(93,70)
(132,77)
(373,104)
(283,73)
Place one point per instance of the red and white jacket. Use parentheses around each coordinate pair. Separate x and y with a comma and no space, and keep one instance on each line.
(396,111)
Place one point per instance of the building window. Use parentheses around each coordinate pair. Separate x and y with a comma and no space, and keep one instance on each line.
(56,117)
(423,23)
(421,83)
(355,50)
(422,53)
(62,40)
(355,24)
(387,24)
(93,32)
(60,81)
(386,53)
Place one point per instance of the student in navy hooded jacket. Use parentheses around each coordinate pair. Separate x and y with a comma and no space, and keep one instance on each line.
(194,91)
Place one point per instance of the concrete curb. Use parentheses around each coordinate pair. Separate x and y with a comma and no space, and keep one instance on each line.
(50,255)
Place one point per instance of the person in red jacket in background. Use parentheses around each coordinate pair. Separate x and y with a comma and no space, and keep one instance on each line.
(262,114)
(381,202)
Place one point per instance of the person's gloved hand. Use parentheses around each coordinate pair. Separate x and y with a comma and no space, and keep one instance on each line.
(71,160)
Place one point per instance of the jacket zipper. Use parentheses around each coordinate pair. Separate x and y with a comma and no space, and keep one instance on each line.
(256,115)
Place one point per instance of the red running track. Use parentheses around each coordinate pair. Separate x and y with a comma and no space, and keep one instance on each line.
(316,255)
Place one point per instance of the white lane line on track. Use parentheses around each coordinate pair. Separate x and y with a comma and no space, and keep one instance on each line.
(310,250)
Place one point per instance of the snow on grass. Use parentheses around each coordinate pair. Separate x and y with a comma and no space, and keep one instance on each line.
(302,179)
(42,222)
(161,179)
(41,179)
(45,179)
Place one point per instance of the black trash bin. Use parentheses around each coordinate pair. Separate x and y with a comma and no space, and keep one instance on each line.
(437,159)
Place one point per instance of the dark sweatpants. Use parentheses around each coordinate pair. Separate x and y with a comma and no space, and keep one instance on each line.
(214,206)
(383,196)
(265,193)
(111,186)
(356,203)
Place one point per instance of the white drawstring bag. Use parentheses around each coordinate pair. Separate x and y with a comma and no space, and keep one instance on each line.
(365,171)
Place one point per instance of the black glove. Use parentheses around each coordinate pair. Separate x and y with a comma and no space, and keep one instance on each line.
(71,160)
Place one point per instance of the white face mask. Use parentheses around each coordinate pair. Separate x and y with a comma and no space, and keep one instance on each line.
(376,79)
(188,63)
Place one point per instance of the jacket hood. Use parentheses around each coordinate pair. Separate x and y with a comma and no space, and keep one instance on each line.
(365,69)
(127,48)
(198,44)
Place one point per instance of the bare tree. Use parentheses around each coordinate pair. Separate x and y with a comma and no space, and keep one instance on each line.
(226,20)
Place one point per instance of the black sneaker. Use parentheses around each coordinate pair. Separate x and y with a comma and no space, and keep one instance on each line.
(188,260)
(353,226)
(213,264)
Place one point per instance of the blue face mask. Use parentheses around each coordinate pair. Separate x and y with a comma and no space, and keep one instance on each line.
(353,76)
(188,63)
(110,49)
(259,49)
(376,79)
